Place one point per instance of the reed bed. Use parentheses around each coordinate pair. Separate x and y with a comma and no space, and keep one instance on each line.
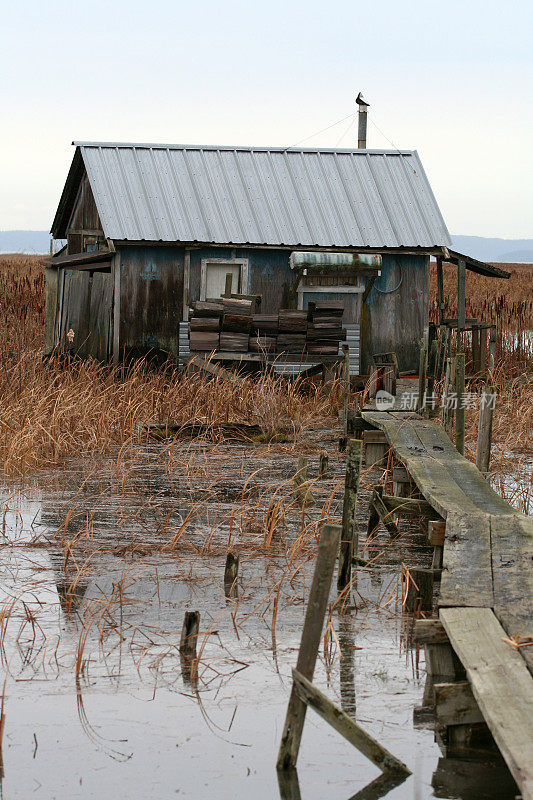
(507,303)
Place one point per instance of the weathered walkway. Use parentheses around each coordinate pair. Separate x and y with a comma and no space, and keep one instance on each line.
(487,580)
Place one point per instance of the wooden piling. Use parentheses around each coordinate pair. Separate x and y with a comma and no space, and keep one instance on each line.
(460,410)
(189,634)
(484,431)
(492,347)
(302,492)
(310,642)
(422,373)
(349,538)
(231,572)
(418,589)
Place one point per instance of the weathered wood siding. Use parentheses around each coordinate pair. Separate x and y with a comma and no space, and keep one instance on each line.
(84,219)
(50,309)
(151,297)
(397,320)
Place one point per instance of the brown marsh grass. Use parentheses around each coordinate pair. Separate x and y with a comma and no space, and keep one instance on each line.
(504,302)
(60,408)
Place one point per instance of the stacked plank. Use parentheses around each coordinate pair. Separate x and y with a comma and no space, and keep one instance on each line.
(324,329)
(292,331)
(236,324)
(204,325)
(265,329)
(230,325)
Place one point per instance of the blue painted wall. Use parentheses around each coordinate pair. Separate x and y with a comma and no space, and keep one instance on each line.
(397,311)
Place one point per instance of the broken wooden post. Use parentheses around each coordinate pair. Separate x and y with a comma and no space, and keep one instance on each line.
(484,431)
(349,538)
(310,642)
(189,634)
(460,410)
(417,589)
(379,511)
(347,728)
(422,372)
(302,492)
(231,572)
(323,465)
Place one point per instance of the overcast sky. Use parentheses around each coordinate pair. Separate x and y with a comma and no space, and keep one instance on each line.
(453,80)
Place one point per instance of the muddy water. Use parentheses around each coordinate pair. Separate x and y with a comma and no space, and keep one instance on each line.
(98,703)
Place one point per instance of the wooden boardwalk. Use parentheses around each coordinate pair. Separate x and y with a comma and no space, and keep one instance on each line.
(487,580)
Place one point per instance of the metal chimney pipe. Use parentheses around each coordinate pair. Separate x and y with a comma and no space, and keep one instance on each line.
(361,135)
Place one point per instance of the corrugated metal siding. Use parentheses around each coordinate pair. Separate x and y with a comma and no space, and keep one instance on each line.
(220,195)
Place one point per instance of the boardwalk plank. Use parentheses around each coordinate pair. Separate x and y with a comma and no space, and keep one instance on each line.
(500,683)
(467,564)
(512,567)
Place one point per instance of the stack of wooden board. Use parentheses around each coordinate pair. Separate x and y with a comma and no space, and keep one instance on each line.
(231,326)
(324,329)
(236,325)
(265,329)
(204,325)
(292,331)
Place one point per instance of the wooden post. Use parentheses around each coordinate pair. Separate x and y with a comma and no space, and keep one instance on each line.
(460,411)
(484,432)
(311,635)
(492,347)
(432,369)
(483,341)
(349,538)
(476,350)
(422,371)
(231,572)
(189,634)
(346,386)
(401,482)
(323,465)
(448,413)
(227,288)
(461,297)
(440,290)
(302,491)
(418,589)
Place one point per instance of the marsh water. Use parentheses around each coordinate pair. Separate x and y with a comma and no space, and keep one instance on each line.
(100,560)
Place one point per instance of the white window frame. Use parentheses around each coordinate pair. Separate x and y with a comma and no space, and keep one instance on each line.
(242,262)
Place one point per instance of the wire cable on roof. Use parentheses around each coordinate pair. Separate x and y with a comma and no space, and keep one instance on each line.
(392,143)
(318,132)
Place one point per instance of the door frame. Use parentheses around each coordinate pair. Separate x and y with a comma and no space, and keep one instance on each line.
(242,262)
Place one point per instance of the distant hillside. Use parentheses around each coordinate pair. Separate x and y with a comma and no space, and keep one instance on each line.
(517,251)
(24,242)
(511,251)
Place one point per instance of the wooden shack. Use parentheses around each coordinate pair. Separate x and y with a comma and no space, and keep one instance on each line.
(151,228)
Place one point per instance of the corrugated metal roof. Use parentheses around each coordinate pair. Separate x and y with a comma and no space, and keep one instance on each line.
(263,196)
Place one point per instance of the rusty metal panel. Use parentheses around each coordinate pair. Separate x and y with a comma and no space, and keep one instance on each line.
(263,196)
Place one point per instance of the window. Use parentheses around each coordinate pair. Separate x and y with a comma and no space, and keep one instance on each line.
(214,274)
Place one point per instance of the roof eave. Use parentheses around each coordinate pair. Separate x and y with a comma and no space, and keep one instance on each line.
(472,264)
